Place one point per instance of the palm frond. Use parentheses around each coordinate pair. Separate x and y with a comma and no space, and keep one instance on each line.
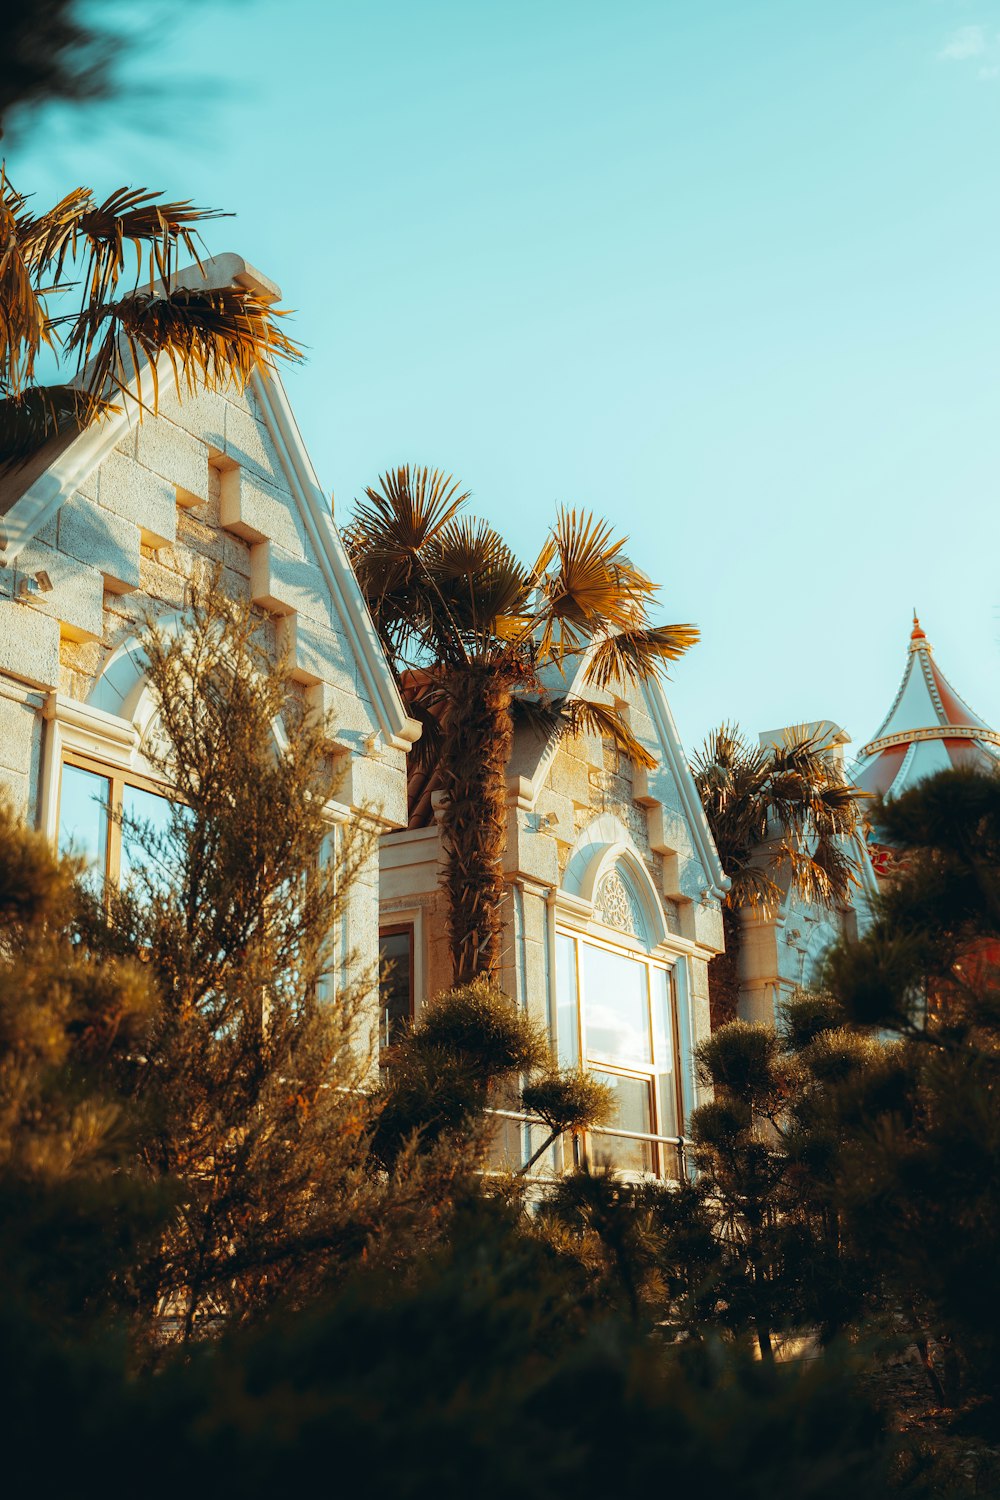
(634,656)
(789,800)
(425,703)
(392,542)
(23,319)
(406,510)
(581,716)
(823,874)
(468,546)
(801,752)
(752,887)
(102,232)
(39,413)
(212,337)
(481,582)
(543,717)
(726,747)
(587,585)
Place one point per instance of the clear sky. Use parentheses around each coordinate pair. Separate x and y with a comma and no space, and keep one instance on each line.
(725,271)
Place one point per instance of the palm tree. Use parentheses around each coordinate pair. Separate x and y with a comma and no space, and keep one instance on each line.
(123,321)
(477,638)
(775,811)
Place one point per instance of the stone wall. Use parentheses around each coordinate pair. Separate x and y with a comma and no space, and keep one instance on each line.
(196,493)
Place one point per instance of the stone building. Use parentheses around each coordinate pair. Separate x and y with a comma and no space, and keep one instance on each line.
(929,728)
(122,518)
(612,914)
(614,880)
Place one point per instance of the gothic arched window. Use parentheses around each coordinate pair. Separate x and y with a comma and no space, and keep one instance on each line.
(617,1016)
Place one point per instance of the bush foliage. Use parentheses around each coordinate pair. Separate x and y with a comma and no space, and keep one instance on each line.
(231,1241)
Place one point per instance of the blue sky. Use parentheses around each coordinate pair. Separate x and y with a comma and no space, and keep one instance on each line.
(724,271)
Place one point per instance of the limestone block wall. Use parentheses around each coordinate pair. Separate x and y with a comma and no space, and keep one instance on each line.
(199,491)
(20,745)
(552,801)
(783,951)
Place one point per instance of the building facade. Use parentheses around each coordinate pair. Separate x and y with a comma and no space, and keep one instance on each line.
(611,917)
(614,882)
(123,519)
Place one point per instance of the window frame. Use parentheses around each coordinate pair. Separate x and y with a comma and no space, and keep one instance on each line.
(118,778)
(661,1143)
(395,929)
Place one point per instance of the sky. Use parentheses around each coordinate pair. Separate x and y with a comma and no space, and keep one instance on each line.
(722,271)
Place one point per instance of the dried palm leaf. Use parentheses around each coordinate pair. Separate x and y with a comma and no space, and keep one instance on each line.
(582,716)
(212,337)
(39,413)
(634,656)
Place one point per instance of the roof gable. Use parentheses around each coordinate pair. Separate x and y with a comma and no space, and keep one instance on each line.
(667,790)
(35,498)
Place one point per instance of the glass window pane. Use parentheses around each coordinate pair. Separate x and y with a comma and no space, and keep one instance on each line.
(506,1151)
(84,819)
(659,984)
(682,1003)
(395,985)
(567,1015)
(616,1007)
(633,1111)
(152,813)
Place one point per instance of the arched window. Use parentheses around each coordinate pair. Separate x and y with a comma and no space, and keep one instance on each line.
(99,785)
(618,1014)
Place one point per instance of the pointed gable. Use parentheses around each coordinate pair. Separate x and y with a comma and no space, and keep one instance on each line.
(118,520)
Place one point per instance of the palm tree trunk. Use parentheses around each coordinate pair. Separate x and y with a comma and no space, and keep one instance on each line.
(474,818)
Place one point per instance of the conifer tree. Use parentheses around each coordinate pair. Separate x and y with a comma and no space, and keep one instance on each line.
(71,1219)
(252,1086)
(472,1050)
(921,1164)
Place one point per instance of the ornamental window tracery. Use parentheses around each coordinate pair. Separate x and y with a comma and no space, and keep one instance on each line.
(616,906)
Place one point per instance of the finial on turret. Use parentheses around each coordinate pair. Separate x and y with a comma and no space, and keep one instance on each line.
(916,634)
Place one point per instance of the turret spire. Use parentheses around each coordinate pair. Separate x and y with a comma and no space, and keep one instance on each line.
(928,728)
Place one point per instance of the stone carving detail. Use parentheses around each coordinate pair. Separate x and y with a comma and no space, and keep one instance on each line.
(154,742)
(615,905)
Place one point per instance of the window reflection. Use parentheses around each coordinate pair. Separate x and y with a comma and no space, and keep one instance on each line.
(567,1004)
(633,1111)
(84,819)
(616,1012)
(616,1016)
(145,825)
(663,1033)
(395,983)
(120,830)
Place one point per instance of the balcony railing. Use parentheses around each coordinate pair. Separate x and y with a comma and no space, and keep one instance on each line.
(661,1148)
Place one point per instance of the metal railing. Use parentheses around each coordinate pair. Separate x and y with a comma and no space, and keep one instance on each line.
(679,1143)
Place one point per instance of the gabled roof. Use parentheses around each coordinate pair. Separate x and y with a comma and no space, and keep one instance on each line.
(532,757)
(33,494)
(929,728)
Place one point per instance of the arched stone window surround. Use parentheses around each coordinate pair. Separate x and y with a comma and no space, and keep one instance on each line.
(123,687)
(603,848)
(113,723)
(663,1079)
